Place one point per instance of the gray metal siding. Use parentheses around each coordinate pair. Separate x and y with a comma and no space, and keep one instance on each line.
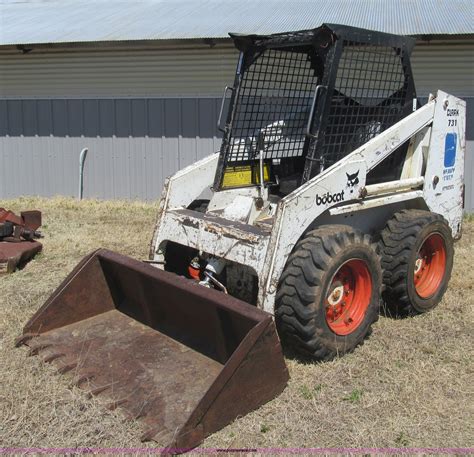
(445,66)
(134,144)
(192,69)
(143,114)
(468,177)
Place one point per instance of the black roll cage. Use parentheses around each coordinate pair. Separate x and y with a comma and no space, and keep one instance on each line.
(340,65)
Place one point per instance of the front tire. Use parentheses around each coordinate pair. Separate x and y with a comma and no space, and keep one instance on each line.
(417,250)
(329,292)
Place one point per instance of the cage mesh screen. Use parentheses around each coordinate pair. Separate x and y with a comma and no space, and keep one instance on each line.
(369,96)
(274,98)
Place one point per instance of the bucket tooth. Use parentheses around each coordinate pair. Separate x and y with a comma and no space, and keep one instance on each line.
(23,339)
(116,403)
(98,390)
(35,349)
(168,351)
(138,408)
(51,357)
(68,367)
(149,434)
(81,379)
(131,415)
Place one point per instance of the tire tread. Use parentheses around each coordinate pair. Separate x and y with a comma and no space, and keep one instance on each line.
(302,278)
(396,242)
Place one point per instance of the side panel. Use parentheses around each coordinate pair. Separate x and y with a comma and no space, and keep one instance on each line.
(180,190)
(240,243)
(302,208)
(342,183)
(444,178)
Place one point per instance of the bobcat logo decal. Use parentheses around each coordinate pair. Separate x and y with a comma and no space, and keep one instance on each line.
(352,180)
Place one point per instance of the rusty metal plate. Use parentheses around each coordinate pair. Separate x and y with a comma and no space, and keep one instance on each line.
(15,255)
(130,364)
(32,219)
(6,215)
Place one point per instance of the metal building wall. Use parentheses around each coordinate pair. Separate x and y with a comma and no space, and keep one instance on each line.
(449,66)
(134,144)
(179,70)
(143,113)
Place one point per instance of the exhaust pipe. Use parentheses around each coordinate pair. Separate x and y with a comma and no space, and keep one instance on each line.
(82,159)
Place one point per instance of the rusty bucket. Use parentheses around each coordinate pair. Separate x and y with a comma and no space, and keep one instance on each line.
(183,359)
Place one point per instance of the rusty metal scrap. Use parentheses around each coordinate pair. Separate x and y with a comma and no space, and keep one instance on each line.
(16,227)
(17,234)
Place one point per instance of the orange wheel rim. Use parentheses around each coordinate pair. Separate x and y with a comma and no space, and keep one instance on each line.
(348,297)
(430,266)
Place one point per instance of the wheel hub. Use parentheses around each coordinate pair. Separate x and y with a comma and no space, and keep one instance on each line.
(418,265)
(430,266)
(348,297)
(337,295)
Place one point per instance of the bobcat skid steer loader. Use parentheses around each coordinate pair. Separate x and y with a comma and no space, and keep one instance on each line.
(332,184)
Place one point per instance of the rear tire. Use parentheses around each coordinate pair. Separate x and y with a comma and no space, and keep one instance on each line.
(417,258)
(329,293)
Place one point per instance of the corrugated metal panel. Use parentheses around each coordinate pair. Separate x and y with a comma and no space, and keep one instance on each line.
(134,144)
(449,67)
(59,21)
(190,70)
(468,177)
(125,168)
(116,168)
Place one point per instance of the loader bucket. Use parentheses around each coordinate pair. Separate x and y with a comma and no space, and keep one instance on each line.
(183,359)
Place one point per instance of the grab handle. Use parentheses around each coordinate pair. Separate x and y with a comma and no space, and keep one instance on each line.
(312,111)
(227,88)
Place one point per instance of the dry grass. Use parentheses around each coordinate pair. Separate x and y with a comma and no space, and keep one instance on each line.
(410,384)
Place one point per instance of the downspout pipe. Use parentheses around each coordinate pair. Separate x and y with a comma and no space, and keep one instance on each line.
(82,159)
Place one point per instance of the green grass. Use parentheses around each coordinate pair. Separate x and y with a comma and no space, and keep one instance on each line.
(354,397)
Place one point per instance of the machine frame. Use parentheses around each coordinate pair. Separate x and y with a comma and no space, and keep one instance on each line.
(432,178)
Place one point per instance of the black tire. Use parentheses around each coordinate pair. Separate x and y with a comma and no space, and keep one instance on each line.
(6,229)
(178,257)
(301,306)
(400,243)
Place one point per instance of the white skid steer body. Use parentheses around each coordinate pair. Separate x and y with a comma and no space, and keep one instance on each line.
(240,228)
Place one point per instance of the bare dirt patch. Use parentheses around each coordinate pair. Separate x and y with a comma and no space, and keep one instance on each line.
(410,384)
